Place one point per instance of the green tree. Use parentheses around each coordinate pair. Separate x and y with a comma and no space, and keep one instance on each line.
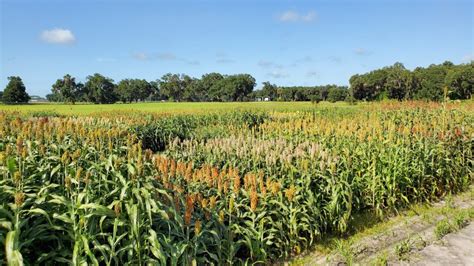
(100,89)
(15,91)
(269,90)
(172,86)
(129,90)
(210,86)
(399,83)
(337,94)
(358,88)
(429,82)
(460,80)
(155,94)
(234,87)
(193,90)
(124,90)
(66,88)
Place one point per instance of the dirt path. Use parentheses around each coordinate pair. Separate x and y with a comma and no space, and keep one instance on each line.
(441,234)
(454,249)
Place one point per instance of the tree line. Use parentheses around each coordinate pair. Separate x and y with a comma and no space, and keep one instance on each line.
(171,87)
(331,93)
(434,82)
(431,83)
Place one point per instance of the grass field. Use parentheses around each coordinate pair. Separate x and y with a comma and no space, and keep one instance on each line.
(164,107)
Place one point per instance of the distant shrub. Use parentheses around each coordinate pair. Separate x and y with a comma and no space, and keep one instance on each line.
(46,114)
(155,136)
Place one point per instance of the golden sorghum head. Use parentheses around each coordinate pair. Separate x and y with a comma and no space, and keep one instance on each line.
(189,209)
(79,173)
(65,157)
(173,168)
(148,154)
(117,163)
(87,177)
(253,200)
(204,203)
(8,150)
(42,149)
(297,249)
(157,162)
(212,202)
(19,198)
(290,192)
(231,204)
(19,144)
(117,208)
(24,152)
(17,177)
(67,181)
(221,216)
(139,168)
(263,189)
(189,172)
(275,187)
(76,155)
(177,204)
(197,227)
(236,184)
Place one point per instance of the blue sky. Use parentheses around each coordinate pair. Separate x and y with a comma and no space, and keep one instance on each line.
(285,42)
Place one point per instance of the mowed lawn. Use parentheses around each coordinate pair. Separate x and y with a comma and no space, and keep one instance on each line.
(165,107)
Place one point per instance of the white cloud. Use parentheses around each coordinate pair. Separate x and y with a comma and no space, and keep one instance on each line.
(304,60)
(312,74)
(293,16)
(166,56)
(225,60)
(361,51)
(269,64)
(105,59)
(222,58)
(310,16)
(193,62)
(58,36)
(141,56)
(335,59)
(277,74)
(468,58)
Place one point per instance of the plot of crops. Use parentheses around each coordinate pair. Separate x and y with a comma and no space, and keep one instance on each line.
(222,188)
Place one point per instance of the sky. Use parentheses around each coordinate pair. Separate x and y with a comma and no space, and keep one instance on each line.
(289,43)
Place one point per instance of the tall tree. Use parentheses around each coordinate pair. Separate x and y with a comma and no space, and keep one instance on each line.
(234,87)
(66,88)
(460,81)
(100,89)
(124,90)
(143,89)
(211,87)
(269,90)
(15,91)
(172,86)
(399,83)
(430,81)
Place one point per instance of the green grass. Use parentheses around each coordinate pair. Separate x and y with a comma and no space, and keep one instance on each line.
(367,224)
(166,107)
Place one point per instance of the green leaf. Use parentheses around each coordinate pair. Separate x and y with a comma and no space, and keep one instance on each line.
(98,209)
(14,257)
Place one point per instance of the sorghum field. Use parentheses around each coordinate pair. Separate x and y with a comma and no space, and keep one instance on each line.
(217,187)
